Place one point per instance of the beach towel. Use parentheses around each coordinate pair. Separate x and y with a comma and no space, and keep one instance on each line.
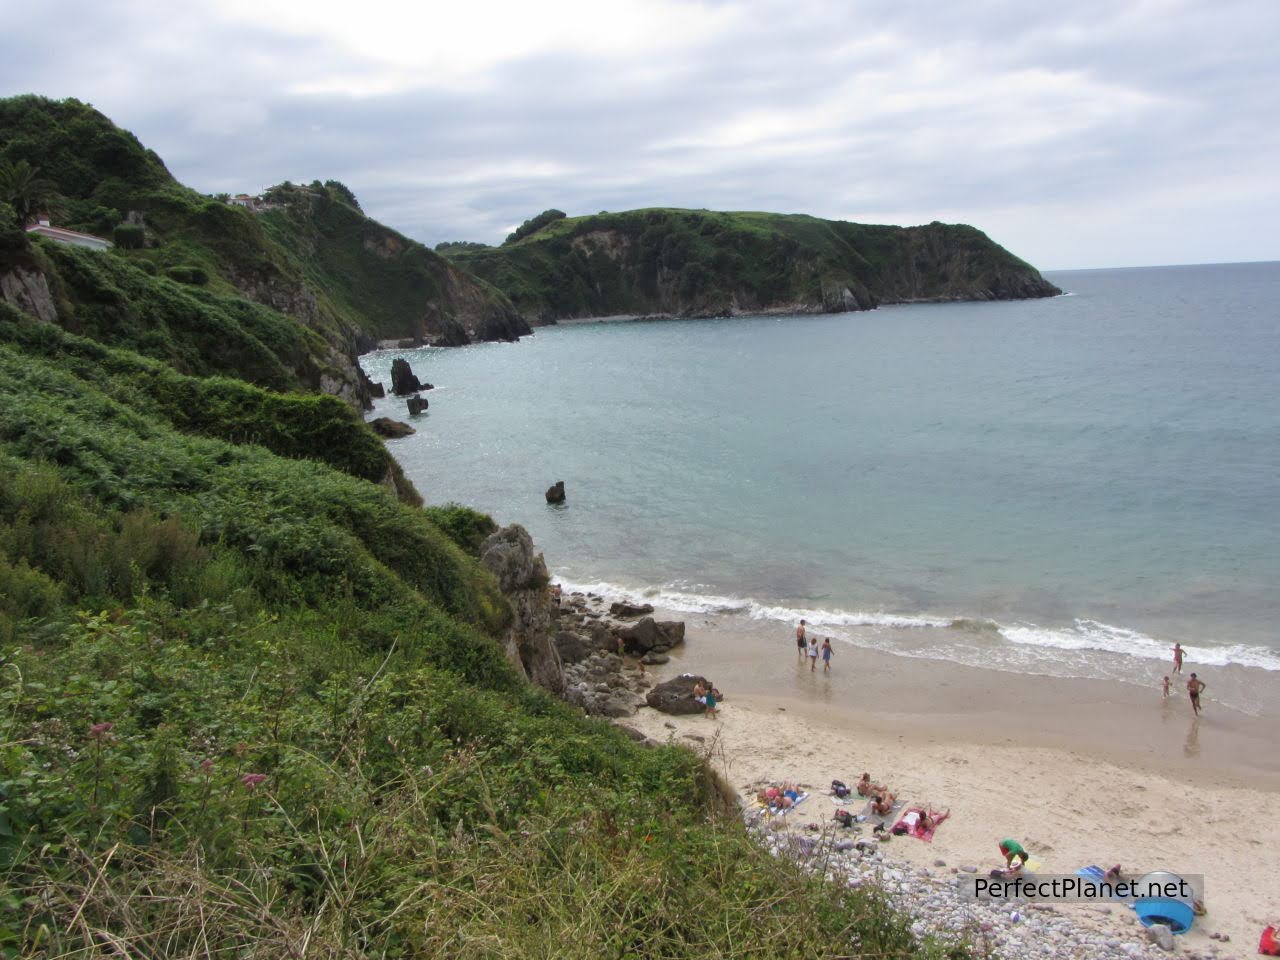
(914,829)
(870,816)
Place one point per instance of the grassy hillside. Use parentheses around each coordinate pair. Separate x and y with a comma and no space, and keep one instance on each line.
(312,255)
(253,699)
(704,263)
(250,699)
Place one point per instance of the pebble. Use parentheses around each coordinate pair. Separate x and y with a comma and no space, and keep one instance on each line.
(1034,932)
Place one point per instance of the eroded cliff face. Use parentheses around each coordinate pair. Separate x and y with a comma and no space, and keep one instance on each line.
(27,289)
(522,575)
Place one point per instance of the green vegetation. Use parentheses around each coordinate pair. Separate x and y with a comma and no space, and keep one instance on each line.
(533,225)
(253,699)
(23,189)
(700,262)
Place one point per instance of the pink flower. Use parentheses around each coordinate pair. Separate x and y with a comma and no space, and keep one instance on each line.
(251,780)
(206,765)
(98,730)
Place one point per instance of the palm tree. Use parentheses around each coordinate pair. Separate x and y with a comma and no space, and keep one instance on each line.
(22,187)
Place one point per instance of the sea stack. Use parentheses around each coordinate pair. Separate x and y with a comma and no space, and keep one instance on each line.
(403,382)
(555,492)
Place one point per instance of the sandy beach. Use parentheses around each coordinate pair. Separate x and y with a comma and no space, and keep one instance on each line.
(1081,772)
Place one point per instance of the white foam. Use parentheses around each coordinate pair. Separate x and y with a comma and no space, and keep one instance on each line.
(1083,636)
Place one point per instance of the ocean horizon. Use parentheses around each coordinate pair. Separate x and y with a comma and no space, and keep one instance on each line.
(1062,486)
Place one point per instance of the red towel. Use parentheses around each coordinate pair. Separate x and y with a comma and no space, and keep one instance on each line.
(1269,945)
(916,831)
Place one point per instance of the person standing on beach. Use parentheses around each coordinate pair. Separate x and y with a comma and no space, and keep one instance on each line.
(1177,657)
(826,654)
(800,641)
(813,654)
(1195,686)
(1166,689)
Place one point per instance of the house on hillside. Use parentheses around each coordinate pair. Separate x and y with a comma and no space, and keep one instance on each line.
(43,228)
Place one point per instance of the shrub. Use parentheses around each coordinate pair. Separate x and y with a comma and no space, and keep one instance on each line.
(197,276)
(129,236)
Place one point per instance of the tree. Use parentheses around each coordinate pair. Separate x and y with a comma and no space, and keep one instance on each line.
(22,187)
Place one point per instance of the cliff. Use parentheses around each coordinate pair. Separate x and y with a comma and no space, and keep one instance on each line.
(699,263)
(308,255)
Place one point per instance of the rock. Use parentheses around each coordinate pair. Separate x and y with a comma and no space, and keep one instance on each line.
(968,868)
(633,733)
(639,638)
(386,427)
(403,382)
(555,492)
(376,389)
(939,863)
(1161,936)
(675,696)
(416,405)
(630,610)
(522,575)
(617,707)
(571,647)
(653,659)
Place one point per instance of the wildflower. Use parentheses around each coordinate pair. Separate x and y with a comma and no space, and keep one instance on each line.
(207,764)
(251,780)
(99,730)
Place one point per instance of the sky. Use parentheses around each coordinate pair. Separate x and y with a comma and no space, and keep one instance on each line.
(1077,134)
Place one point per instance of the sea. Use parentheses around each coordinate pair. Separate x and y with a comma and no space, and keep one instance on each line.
(1063,486)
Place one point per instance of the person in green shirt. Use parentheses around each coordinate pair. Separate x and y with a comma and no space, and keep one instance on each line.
(1012,850)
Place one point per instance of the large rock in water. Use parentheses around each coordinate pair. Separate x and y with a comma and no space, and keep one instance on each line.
(555,492)
(675,696)
(629,610)
(386,427)
(522,575)
(417,405)
(403,382)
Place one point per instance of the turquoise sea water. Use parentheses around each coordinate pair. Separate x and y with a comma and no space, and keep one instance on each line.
(1077,481)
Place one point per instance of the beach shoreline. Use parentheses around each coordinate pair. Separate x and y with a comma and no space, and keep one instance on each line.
(1082,771)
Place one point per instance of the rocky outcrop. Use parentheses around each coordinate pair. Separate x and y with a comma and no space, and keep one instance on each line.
(555,492)
(28,291)
(629,610)
(650,636)
(417,405)
(675,696)
(522,575)
(391,429)
(403,381)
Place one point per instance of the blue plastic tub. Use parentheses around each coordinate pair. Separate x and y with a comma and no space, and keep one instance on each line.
(1175,913)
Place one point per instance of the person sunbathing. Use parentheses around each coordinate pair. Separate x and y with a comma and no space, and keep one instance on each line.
(929,820)
(866,788)
(882,803)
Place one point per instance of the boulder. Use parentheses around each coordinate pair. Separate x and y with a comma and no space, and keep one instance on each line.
(629,610)
(555,492)
(654,659)
(650,635)
(571,647)
(417,404)
(386,427)
(403,382)
(377,389)
(675,696)
(640,638)
(510,557)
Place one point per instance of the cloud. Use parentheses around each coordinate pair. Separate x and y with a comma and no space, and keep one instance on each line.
(453,122)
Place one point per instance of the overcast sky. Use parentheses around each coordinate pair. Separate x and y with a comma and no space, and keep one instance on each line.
(1077,133)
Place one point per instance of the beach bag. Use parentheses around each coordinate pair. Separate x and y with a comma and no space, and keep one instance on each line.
(1269,945)
(844,818)
(839,789)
